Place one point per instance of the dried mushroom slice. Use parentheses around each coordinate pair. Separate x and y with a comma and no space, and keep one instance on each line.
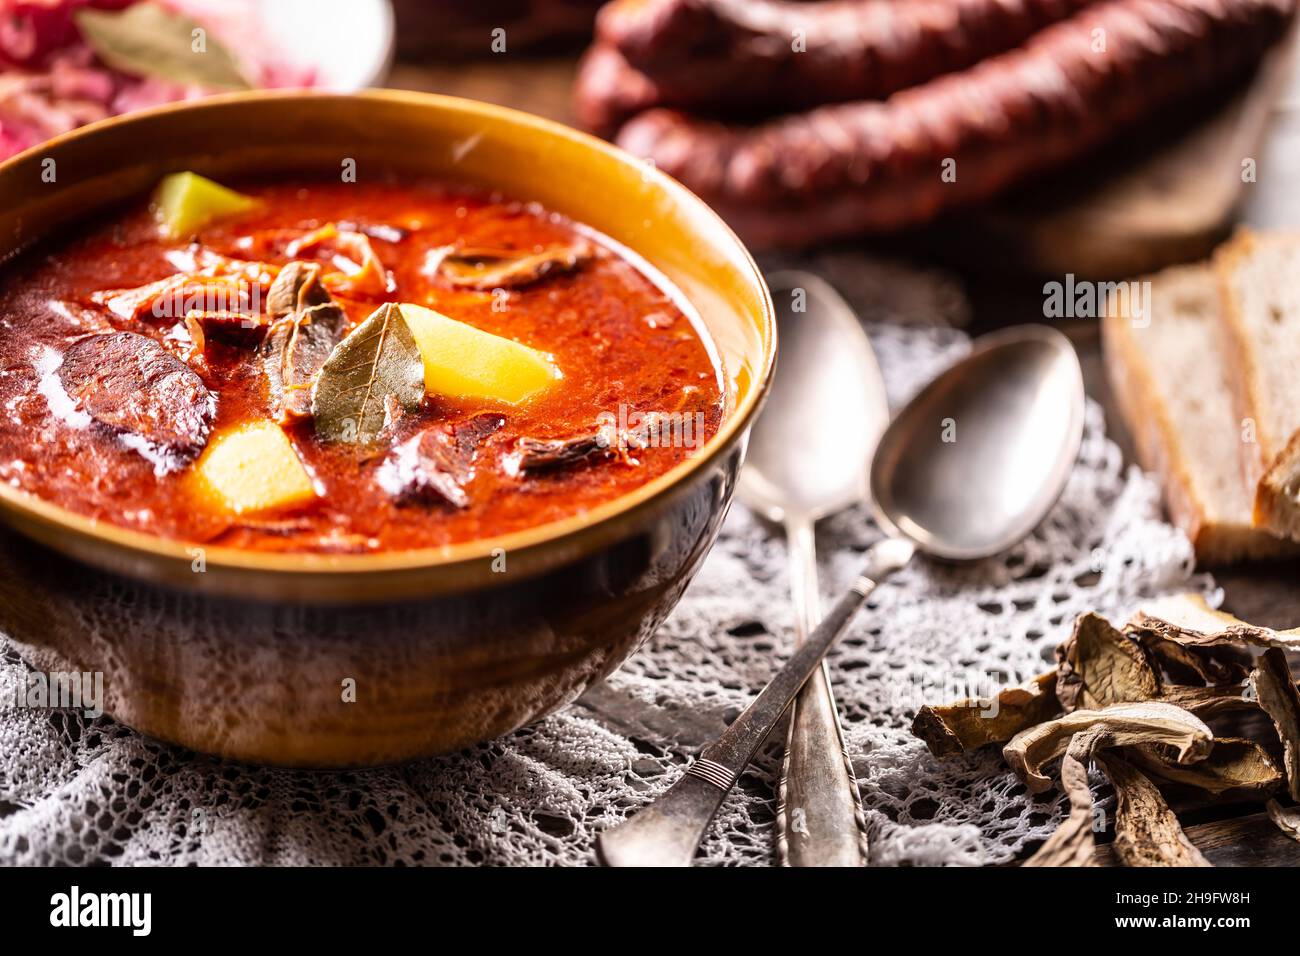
(1286,818)
(968,724)
(133,386)
(1234,764)
(486,269)
(1146,831)
(1099,666)
(308,326)
(1188,620)
(1208,702)
(1216,664)
(1146,722)
(1072,843)
(1276,692)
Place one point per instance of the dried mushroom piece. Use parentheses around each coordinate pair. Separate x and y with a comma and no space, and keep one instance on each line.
(1276,692)
(1208,702)
(1190,665)
(1099,666)
(1072,843)
(1286,818)
(1146,722)
(1234,764)
(485,269)
(308,326)
(968,724)
(377,364)
(1146,831)
(1188,620)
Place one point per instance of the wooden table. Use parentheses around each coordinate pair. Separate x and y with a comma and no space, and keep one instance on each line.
(1229,835)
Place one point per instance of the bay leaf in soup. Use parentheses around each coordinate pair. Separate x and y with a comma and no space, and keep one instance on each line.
(146,39)
(378,359)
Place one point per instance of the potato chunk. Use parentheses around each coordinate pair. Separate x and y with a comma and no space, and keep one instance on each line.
(253,468)
(464,362)
(187,202)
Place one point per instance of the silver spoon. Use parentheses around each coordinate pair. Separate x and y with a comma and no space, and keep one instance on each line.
(808,458)
(966,470)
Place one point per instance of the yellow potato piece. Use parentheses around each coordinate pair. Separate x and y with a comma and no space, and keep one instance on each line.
(252,467)
(464,362)
(187,202)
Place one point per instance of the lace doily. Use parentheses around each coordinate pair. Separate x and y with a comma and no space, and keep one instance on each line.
(74,790)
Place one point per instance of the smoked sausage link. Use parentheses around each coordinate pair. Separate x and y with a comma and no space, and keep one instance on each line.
(875,166)
(782,55)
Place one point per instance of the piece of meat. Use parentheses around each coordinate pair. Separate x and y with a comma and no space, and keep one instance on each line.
(770,56)
(437,463)
(876,166)
(133,386)
(307,324)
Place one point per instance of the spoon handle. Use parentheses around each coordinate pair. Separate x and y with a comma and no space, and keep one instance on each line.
(819,820)
(667,832)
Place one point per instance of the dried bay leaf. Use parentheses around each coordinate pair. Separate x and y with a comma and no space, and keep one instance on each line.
(1130,724)
(307,326)
(1099,666)
(955,728)
(146,39)
(487,269)
(1276,692)
(1146,831)
(1286,818)
(378,359)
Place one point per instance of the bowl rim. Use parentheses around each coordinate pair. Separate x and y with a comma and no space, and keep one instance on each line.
(292,565)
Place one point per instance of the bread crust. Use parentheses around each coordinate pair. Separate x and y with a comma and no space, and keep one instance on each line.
(1243,374)
(1158,446)
(1272,464)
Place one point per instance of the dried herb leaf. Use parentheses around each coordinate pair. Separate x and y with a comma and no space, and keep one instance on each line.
(378,359)
(1234,763)
(146,39)
(1099,666)
(967,724)
(1146,722)
(1146,831)
(486,269)
(1187,620)
(1276,692)
(309,326)
(1286,818)
(1072,843)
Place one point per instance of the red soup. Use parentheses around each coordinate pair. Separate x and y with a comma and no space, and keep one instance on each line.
(329,367)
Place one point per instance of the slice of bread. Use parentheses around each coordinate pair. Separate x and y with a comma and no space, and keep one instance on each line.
(1261,311)
(1167,371)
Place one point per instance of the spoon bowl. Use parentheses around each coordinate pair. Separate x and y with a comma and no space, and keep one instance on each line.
(978,458)
(809,450)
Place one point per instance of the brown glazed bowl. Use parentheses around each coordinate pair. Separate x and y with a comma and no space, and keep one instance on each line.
(352,660)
